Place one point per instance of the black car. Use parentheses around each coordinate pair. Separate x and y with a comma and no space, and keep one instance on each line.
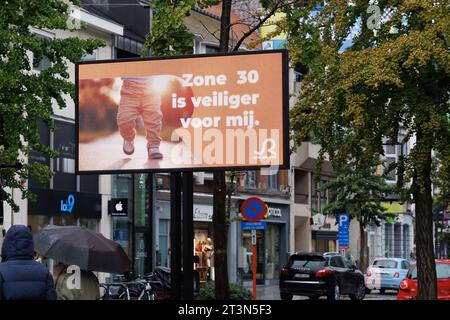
(315,274)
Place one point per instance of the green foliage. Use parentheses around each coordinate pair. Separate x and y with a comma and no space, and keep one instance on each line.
(169,36)
(352,100)
(441,180)
(358,191)
(237,292)
(26,96)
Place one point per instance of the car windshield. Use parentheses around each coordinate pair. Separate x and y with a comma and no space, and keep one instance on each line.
(442,271)
(311,262)
(390,264)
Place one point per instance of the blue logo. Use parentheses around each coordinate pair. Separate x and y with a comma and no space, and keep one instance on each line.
(68,206)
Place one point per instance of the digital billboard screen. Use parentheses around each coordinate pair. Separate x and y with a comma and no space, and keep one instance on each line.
(188,113)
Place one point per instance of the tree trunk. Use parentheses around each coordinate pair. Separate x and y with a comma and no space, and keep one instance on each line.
(220,233)
(426,267)
(220,223)
(363,259)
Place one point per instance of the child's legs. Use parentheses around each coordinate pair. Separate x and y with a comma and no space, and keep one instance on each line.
(152,117)
(128,112)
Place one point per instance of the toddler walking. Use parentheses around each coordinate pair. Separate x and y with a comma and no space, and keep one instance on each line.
(138,98)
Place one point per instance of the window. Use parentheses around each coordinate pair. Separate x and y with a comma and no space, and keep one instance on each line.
(319,199)
(272,182)
(250,179)
(64,165)
(307,262)
(443,270)
(45,63)
(211,49)
(163,242)
(337,262)
(389,264)
(390,149)
(392,174)
(405,265)
(89,57)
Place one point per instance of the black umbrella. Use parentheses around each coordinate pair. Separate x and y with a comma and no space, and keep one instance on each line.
(79,246)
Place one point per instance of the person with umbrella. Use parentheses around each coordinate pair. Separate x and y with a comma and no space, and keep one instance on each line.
(89,250)
(22,278)
(71,283)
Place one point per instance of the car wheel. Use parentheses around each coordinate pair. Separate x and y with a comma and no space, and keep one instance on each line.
(286,296)
(382,291)
(360,292)
(335,294)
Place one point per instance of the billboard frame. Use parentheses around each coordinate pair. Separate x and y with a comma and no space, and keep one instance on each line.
(285,116)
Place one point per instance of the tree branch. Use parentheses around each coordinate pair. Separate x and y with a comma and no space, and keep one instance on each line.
(260,23)
(210,32)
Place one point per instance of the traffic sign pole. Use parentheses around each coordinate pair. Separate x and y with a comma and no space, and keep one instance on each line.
(254,262)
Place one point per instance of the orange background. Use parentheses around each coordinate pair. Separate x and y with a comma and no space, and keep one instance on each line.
(268,111)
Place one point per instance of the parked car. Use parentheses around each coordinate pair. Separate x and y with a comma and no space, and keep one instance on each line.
(315,274)
(386,273)
(408,287)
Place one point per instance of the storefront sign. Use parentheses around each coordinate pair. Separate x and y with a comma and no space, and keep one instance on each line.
(67,206)
(203,213)
(261,225)
(274,212)
(118,207)
(218,112)
(54,203)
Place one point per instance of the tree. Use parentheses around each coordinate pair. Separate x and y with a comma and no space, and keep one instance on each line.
(27,97)
(353,98)
(169,36)
(359,191)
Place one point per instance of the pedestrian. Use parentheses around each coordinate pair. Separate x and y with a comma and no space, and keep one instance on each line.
(69,288)
(349,258)
(138,97)
(22,278)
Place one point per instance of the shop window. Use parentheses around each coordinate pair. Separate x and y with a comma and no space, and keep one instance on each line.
(64,220)
(273,246)
(122,187)
(163,252)
(91,224)
(203,247)
(141,203)
(260,256)
(37,222)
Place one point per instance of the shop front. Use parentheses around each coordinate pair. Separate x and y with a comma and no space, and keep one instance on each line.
(271,247)
(64,208)
(203,240)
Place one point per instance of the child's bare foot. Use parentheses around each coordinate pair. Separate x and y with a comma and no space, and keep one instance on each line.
(154,153)
(128,147)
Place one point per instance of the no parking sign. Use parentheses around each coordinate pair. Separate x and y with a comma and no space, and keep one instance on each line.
(253,209)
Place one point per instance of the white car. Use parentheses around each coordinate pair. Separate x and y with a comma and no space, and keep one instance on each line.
(386,273)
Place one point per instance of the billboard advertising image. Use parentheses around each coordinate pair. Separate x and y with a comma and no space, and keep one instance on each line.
(201,112)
